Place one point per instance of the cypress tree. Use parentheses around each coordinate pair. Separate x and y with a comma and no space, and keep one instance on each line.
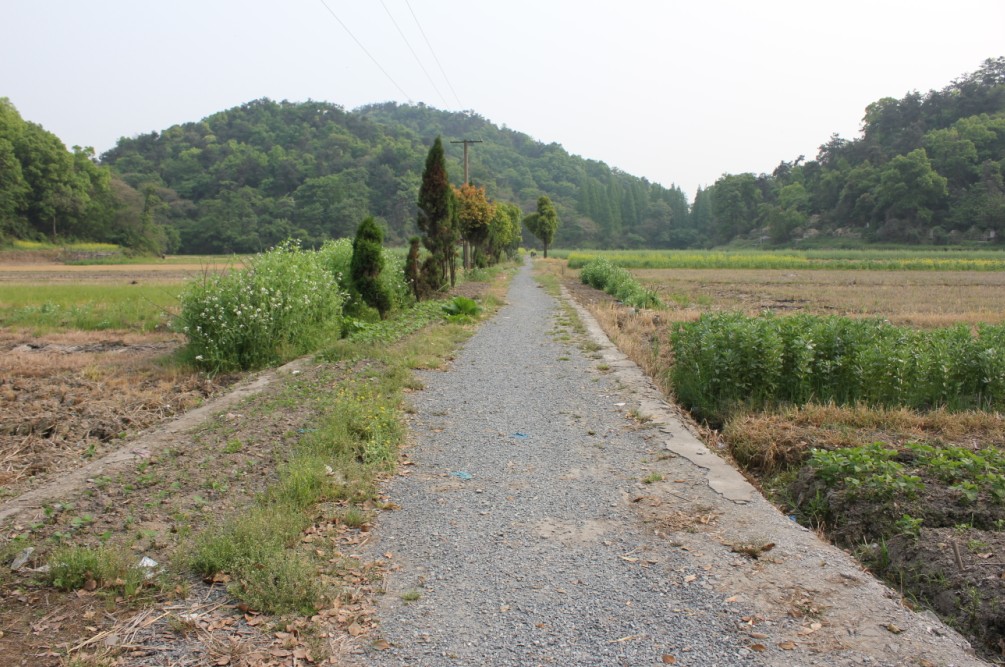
(366,264)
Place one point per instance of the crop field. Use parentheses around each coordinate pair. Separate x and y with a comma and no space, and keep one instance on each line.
(865,401)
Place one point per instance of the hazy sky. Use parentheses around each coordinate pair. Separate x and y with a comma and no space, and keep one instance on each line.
(678,92)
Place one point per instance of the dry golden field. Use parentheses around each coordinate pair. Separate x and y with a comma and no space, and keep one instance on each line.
(912,298)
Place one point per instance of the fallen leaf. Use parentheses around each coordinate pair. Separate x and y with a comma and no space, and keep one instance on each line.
(669,659)
(220,578)
(732,598)
(381,645)
(987,555)
(895,629)
(758,647)
(302,654)
(689,578)
(222,660)
(356,629)
(787,645)
(758,635)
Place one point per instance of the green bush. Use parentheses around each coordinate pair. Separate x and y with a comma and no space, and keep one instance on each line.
(282,304)
(619,283)
(728,360)
(336,257)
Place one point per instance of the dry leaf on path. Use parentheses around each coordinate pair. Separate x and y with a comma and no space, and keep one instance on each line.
(787,645)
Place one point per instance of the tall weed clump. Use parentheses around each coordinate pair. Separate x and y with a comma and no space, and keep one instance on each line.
(618,282)
(282,304)
(727,360)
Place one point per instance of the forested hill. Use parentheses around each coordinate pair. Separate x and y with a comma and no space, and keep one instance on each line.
(242,179)
(926,169)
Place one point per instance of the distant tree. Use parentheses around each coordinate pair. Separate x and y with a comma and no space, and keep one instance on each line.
(438,213)
(504,231)
(366,264)
(544,223)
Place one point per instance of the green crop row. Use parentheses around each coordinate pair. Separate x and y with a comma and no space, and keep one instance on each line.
(619,283)
(879,260)
(728,360)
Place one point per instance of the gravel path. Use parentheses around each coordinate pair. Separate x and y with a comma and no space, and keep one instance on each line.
(520,531)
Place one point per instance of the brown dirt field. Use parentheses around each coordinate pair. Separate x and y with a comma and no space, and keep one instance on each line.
(68,398)
(44,274)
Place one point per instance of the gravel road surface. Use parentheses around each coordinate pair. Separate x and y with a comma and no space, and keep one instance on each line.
(527,535)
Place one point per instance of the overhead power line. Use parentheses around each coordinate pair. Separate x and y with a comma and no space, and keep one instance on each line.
(445,77)
(360,45)
(414,54)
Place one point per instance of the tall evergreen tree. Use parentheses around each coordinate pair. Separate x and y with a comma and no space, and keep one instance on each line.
(438,213)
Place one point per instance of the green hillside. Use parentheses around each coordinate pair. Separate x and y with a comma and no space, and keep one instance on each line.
(243,179)
(927,168)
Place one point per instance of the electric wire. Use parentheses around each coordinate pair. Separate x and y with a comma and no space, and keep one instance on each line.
(414,54)
(445,77)
(360,45)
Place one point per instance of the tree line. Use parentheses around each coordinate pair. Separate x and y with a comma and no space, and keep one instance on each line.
(926,169)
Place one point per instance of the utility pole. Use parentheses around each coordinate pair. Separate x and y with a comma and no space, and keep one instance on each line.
(466,142)
(466,246)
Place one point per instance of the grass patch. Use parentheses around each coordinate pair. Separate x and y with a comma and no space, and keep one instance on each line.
(74,568)
(44,308)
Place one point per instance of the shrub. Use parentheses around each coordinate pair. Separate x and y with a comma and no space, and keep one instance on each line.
(367,264)
(619,283)
(282,304)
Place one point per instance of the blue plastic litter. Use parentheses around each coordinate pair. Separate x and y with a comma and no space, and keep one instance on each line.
(519,434)
(460,474)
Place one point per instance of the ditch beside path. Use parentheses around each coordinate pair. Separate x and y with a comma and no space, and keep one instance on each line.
(555,512)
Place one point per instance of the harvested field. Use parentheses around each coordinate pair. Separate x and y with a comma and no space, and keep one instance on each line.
(912,298)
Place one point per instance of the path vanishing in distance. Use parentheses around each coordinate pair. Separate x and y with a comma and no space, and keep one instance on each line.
(526,535)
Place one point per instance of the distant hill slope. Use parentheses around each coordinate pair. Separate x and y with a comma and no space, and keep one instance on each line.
(927,168)
(245,178)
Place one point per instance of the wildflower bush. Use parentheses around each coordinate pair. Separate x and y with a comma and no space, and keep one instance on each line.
(619,283)
(725,360)
(282,304)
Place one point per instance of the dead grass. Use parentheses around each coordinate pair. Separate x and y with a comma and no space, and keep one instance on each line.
(70,397)
(767,442)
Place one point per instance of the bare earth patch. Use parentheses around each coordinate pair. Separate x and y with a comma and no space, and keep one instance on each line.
(69,398)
